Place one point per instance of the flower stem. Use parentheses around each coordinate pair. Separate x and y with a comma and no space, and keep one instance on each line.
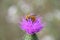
(31,37)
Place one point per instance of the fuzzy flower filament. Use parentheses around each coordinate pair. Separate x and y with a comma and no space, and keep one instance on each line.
(31,24)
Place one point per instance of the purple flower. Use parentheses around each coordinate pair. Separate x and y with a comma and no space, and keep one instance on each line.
(31,24)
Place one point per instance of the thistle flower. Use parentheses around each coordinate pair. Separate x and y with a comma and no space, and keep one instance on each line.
(31,24)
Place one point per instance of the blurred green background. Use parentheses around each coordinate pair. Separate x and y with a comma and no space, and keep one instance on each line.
(11,12)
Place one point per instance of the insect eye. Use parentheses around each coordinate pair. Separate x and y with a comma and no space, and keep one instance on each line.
(27,17)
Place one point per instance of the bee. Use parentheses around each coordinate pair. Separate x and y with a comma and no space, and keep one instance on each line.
(32,17)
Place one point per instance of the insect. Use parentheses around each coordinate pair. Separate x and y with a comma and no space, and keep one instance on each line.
(32,17)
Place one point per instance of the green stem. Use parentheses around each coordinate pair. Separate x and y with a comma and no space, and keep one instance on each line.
(30,37)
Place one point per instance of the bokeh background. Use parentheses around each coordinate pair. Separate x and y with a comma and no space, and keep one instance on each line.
(11,12)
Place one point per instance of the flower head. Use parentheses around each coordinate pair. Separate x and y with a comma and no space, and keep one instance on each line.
(31,24)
